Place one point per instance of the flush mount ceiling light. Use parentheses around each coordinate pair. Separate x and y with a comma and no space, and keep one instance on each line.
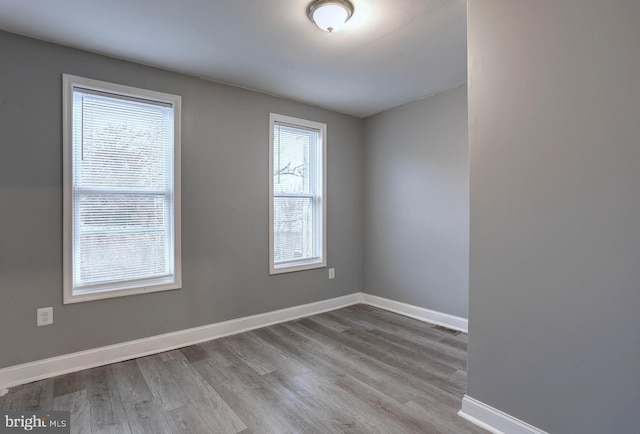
(329,15)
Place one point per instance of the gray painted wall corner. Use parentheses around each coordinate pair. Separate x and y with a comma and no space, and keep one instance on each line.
(416,185)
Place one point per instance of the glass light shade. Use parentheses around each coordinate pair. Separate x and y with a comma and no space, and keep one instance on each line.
(331,16)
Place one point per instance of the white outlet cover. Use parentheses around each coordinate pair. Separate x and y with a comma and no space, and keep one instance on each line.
(45,316)
(332,273)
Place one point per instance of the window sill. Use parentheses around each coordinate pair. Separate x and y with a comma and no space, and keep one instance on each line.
(80,296)
(297,266)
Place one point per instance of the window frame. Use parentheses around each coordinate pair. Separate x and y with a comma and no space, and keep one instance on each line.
(320,197)
(136,286)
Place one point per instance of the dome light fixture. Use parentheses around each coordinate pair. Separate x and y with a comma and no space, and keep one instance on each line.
(330,15)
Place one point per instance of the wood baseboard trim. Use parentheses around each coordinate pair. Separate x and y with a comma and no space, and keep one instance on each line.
(28,372)
(494,420)
(419,313)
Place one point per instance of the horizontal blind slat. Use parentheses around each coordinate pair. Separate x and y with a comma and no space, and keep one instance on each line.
(123,183)
(294,192)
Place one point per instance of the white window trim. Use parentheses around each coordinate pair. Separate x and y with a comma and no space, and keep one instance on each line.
(68,84)
(306,264)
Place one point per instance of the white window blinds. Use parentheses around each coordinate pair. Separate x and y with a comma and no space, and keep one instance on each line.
(123,192)
(297,184)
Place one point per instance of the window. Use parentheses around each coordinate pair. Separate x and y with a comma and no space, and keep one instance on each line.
(121,190)
(297,203)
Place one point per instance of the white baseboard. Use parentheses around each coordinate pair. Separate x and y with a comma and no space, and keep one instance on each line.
(26,373)
(51,367)
(494,420)
(420,313)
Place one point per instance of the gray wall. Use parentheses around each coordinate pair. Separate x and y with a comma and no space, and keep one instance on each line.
(224,207)
(417,203)
(554,112)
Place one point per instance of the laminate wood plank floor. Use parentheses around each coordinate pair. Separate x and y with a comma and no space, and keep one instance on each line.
(352,370)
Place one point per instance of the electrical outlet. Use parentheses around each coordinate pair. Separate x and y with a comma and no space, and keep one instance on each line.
(332,273)
(45,316)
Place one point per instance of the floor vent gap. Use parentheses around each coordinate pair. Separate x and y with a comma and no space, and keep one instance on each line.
(446,330)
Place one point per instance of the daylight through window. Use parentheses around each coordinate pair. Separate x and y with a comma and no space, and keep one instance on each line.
(121,190)
(297,185)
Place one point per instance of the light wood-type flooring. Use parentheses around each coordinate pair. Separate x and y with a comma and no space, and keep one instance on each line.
(352,370)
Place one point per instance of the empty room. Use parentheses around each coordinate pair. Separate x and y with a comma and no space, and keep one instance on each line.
(320,216)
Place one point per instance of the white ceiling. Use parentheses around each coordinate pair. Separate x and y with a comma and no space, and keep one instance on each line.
(389,53)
